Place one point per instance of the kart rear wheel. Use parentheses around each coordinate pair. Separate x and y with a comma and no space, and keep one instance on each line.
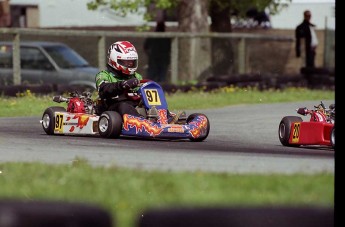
(48,118)
(110,124)
(205,134)
(333,137)
(284,130)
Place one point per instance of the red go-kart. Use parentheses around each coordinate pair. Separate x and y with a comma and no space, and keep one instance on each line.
(319,130)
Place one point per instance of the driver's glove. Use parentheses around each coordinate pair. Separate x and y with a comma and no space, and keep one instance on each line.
(131,83)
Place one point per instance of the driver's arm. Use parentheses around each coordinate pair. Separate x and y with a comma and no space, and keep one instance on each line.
(108,89)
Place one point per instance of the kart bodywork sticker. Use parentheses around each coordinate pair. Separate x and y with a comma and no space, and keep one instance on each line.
(140,125)
(296,132)
(75,123)
(152,97)
(59,123)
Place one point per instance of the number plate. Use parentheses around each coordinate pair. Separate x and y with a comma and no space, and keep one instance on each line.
(152,97)
(296,132)
(59,123)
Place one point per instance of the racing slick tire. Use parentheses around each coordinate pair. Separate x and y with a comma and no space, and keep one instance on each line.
(201,138)
(110,124)
(333,137)
(284,130)
(48,118)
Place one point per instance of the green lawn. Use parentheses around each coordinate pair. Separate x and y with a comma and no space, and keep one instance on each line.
(28,104)
(126,193)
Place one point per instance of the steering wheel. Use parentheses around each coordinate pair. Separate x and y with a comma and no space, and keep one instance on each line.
(142,81)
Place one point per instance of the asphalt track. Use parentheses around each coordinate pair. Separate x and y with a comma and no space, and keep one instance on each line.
(242,139)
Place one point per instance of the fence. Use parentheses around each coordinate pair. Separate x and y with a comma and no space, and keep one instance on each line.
(248,52)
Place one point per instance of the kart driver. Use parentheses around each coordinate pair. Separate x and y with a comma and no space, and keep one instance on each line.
(120,80)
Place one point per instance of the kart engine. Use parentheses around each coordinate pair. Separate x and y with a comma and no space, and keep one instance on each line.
(77,103)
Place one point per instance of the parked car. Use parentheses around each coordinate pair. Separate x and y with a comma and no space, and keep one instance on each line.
(47,63)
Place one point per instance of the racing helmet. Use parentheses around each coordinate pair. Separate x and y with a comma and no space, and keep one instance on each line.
(123,56)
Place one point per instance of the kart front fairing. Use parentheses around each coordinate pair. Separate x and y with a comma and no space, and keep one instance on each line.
(138,126)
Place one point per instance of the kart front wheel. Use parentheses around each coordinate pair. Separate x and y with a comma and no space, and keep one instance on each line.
(284,130)
(48,118)
(110,124)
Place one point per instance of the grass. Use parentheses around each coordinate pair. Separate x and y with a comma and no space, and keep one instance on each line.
(127,193)
(28,104)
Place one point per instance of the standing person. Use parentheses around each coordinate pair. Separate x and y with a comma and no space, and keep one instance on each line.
(5,16)
(120,79)
(306,31)
(158,52)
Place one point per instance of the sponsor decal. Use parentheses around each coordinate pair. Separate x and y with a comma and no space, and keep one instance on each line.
(176,128)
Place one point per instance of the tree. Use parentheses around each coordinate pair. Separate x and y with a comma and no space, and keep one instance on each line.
(194,57)
(240,7)
(193,17)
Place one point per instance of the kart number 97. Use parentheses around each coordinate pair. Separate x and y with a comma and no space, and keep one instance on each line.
(58,122)
(152,97)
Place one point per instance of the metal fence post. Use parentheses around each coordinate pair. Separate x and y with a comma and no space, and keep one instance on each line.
(242,56)
(174,60)
(17,79)
(101,52)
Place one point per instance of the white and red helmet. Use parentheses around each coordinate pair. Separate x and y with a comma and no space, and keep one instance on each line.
(123,56)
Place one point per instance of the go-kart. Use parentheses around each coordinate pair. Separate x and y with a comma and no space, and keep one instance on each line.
(84,116)
(319,130)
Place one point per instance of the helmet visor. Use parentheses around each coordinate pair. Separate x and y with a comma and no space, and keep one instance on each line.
(128,63)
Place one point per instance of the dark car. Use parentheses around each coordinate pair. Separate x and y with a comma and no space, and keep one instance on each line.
(47,63)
